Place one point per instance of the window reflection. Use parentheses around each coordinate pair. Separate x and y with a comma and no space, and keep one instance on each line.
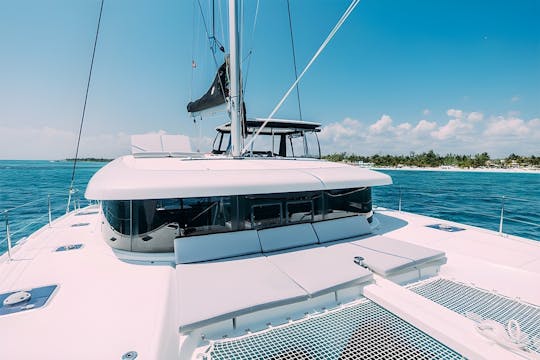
(152,225)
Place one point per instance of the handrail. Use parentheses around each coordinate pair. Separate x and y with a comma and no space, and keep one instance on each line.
(506,205)
(406,190)
(34,201)
(37,220)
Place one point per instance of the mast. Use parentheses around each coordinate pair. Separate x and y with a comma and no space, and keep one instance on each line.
(235,91)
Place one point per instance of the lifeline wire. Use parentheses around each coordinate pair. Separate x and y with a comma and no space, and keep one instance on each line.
(84,107)
(321,48)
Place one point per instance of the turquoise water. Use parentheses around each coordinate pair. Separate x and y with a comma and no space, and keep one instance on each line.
(23,182)
(473,198)
(467,197)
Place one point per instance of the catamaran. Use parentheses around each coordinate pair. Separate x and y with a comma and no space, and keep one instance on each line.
(253,252)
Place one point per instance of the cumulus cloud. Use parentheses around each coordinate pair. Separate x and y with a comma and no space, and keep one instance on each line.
(348,128)
(50,143)
(381,125)
(453,128)
(475,116)
(512,126)
(464,133)
(458,114)
(424,126)
(404,127)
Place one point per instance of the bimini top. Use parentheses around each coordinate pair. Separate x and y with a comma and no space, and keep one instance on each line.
(276,126)
(133,178)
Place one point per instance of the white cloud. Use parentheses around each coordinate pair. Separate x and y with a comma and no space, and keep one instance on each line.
(475,116)
(381,125)
(426,112)
(499,136)
(334,132)
(50,143)
(511,126)
(404,127)
(458,114)
(202,144)
(453,128)
(424,126)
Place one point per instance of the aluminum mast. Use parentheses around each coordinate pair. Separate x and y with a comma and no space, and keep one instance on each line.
(235,94)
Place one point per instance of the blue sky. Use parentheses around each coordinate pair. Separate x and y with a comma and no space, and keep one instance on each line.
(452,76)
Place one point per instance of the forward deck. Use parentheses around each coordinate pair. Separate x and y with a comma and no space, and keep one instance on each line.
(137,302)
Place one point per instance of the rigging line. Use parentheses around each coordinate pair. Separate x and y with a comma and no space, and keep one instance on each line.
(214,20)
(193,63)
(221,21)
(205,26)
(294,60)
(250,52)
(216,42)
(84,106)
(338,25)
(212,41)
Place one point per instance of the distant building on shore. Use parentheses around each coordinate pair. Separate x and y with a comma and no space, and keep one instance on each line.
(365,164)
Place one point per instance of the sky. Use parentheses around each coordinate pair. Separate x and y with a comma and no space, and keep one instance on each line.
(453,76)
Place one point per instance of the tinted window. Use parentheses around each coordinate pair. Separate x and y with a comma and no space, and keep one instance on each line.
(347,202)
(117,214)
(265,215)
(159,221)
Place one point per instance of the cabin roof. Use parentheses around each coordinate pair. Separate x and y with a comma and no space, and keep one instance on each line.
(139,178)
(279,126)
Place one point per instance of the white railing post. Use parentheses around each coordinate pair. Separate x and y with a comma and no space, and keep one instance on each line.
(502,217)
(399,205)
(8,236)
(49,205)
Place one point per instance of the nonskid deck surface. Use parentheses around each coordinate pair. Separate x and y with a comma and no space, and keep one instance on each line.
(93,277)
(363,330)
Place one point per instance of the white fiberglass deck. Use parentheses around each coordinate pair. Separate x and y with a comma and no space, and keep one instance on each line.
(132,302)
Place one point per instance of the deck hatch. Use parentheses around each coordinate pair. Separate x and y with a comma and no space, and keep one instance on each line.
(444,227)
(363,330)
(38,297)
(80,224)
(464,299)
(83,213)
(68,247)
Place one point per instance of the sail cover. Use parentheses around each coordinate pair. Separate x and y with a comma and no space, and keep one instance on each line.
(215,96)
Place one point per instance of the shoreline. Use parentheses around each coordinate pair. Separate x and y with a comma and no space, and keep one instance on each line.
(510,171)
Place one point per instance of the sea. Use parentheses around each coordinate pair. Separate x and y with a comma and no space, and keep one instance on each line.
(474,198)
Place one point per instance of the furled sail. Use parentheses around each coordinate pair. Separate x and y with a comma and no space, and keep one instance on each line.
(216,95)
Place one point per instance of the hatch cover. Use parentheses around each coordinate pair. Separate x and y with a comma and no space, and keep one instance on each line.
(27,299)
(445,227)
(69,247)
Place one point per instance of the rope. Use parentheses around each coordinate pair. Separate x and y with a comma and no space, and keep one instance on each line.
(510,337)
(344,17)
(84,106)
(294,59)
